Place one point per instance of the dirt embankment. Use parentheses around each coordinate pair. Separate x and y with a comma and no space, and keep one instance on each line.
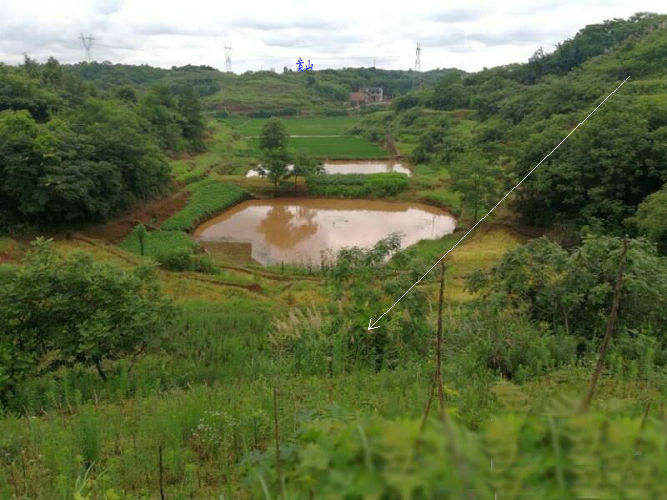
(150,214)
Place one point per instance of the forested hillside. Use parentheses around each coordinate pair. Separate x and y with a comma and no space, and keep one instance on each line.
(499,123)
(263,93)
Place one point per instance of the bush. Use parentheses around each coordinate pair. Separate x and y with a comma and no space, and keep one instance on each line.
(182,260)
(357,185)
(71,309)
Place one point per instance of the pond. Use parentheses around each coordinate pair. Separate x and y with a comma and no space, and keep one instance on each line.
(356,167)
(298,230)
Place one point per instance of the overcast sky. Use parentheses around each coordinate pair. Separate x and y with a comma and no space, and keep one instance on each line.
(272,34)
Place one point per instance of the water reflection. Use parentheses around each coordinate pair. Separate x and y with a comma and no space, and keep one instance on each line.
(285,226)
(299,230)
(356,167)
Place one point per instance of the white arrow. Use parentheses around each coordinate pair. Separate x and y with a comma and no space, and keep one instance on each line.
(372,324)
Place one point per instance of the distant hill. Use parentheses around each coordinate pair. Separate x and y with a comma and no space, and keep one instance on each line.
(262,93)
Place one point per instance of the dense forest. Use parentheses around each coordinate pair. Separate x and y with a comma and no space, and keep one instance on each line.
(138,362)
(74,153)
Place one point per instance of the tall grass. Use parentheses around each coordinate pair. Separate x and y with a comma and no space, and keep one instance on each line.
(159,243)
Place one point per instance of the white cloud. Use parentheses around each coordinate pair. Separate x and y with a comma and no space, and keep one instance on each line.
(275,34)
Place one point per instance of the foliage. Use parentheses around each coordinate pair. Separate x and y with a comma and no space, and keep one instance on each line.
(305,166)
(478,181)
(274,135)
(338,454)
(607,169)
(208,197)
(175,117)
(274,166)
(73,154)
(85,168)
(651,218)
(301,126)
(183,260)
(357,185)
(59,310)
(573,291)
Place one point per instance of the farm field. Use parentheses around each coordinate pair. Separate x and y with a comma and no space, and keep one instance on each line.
(347,147)
(328,125)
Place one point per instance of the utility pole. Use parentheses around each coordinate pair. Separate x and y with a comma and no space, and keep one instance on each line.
(418,62)
(87,42)
(228,58)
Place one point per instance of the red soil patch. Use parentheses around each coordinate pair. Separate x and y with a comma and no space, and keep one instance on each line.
(151,214)
(5,257)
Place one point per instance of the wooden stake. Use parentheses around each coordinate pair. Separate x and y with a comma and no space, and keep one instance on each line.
(277,438)
(438,354)
(159,453)
(611,320)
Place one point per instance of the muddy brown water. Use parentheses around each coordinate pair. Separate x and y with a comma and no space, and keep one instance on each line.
(356,167)
(298,230)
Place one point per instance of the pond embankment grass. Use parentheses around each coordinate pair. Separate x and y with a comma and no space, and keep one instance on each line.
(208,197)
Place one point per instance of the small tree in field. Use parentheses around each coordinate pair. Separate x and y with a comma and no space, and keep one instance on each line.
(274,135)
(141,233)
(61,310)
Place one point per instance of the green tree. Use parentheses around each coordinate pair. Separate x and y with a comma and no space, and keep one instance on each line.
(478,181)
(61,310)
(651,218)
(274,166)
(274,135)
(305,166)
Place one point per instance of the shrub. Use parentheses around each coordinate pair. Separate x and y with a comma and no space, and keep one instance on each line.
(357,185)
(71,309)
(183,260)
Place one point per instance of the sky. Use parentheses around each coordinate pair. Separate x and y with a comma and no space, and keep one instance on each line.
(468,35)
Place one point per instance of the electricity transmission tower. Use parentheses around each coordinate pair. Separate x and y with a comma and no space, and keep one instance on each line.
(418,62)
(87,42)
(228,58)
